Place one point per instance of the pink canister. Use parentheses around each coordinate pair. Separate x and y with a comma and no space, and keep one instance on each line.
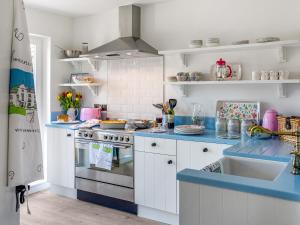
(270,120)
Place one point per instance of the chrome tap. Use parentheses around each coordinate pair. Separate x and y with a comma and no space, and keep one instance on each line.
(256,130)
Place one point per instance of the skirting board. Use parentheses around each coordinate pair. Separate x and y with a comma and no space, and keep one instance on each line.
(39,187)
(158,215)
(63,191)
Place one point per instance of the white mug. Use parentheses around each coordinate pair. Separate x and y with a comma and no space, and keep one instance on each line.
(273,75)
(265,75)
(283,75)
(255,75)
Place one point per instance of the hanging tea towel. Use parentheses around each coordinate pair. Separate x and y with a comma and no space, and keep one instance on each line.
(24,143)
(101,155)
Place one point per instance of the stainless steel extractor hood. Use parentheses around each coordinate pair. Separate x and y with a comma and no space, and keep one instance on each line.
(129,45)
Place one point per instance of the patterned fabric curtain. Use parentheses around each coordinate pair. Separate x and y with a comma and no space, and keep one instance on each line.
(24,145)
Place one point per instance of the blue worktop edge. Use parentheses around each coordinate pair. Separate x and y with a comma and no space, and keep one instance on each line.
(257,186)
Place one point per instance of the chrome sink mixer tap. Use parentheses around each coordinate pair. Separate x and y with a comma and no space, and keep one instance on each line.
(257,130)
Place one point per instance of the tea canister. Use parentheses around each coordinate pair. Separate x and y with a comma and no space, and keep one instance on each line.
(233,127)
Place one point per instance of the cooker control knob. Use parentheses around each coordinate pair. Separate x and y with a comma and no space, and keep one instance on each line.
(110,138)
(116,138)
(127,139)
(105,137)
(121,138)
(91,135)
(85,135)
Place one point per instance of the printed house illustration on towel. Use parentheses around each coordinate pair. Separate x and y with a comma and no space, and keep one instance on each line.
(21,97)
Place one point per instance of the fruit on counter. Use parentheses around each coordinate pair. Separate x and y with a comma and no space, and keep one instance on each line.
(63,118)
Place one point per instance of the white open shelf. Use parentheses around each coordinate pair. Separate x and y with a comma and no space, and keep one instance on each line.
(292,81)
(77,62)
(281,84)
(94,87)
(280,45)
(80,85)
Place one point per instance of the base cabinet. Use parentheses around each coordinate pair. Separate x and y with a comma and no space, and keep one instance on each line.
(206,205)
(60,157)
(155,181)
(156,163)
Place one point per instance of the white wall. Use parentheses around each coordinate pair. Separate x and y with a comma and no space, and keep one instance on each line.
(7,197)
(170,25)
(96,30)
(59,29)
(173,24)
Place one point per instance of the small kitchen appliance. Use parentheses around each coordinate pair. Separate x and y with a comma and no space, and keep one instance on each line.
(270,120)
(90,113)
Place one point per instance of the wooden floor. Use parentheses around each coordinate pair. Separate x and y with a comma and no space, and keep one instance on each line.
(50,209)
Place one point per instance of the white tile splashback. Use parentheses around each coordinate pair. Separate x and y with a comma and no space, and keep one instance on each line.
(133,85)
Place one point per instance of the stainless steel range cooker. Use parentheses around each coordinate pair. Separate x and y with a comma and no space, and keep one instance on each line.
(112,188)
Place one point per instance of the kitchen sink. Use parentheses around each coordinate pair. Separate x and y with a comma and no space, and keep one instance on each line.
(253,168)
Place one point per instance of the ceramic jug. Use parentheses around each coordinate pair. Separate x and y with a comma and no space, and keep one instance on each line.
(72,113)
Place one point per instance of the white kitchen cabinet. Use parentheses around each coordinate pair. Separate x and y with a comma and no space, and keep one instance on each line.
(196,155)
(155,174)
(60,157)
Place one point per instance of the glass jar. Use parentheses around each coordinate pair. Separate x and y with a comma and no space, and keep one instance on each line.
(233,127)
(198,115)
(221,127)
(246,123)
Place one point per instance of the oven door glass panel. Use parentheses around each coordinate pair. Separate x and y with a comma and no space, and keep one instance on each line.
(122,162)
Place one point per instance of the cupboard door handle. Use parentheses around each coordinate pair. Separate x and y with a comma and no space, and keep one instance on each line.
(205,150)
(153,144)
(170,162)
(69,135)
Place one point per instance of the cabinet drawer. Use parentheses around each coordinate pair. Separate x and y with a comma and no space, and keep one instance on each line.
(160,146)
(202,154)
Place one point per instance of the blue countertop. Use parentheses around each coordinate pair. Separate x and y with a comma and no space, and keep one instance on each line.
(62,126)
(208,136)
(285,186)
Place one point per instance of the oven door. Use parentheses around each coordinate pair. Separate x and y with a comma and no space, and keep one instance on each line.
(122,170)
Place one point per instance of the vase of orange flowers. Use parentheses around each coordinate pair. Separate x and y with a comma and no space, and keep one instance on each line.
(70,103)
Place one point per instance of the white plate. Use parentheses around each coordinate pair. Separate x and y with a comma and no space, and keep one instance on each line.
(189,128)
(69,122)
(195,133)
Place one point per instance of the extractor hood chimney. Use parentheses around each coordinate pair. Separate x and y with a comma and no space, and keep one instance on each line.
(129,45)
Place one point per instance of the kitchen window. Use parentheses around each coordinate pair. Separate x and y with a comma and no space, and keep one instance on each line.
(40,50)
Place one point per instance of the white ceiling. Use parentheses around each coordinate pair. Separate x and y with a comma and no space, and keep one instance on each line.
(78,8)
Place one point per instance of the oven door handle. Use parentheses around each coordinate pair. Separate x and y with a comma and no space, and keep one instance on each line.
(121,146)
